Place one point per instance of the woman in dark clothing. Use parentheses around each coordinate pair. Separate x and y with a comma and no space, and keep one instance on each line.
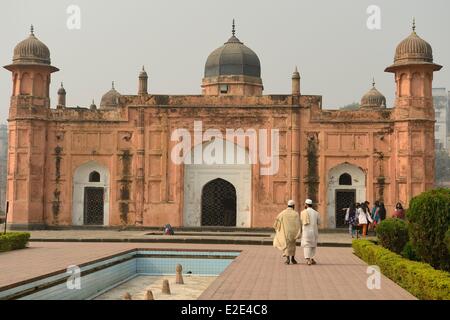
(382,211)
(351,219)
(399,211)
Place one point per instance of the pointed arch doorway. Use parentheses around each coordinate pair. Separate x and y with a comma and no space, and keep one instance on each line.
(219,204)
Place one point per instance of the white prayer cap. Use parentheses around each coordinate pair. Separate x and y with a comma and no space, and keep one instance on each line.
(291,203)
(308,201)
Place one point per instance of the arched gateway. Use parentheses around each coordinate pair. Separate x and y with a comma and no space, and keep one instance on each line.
(218,194)
(346,184)
(90,195)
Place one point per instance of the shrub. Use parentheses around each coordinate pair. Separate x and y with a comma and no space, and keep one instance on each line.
(409,252)
(393,234)
(420,279)
(13,241)
(429,220)
(447,239)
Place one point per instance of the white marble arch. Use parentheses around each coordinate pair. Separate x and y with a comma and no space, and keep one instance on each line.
(80,181)
(231,170)
(358,184)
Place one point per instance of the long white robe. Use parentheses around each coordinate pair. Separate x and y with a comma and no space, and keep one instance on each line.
(287,228)
(310,231)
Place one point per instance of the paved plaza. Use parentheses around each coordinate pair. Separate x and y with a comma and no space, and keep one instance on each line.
(257,273)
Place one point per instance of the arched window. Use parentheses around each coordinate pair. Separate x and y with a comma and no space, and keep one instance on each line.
(345,179)
(39,86)
(404,85)
(416,85)
(94,176)
(26,84)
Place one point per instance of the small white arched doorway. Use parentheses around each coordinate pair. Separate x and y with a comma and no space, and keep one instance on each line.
(90,195)
(346,184)
(217,194)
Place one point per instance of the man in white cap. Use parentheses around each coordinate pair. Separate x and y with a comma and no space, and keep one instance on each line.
(287,227)
(310,220)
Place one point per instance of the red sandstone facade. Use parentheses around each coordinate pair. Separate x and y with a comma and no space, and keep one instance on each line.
(59,156)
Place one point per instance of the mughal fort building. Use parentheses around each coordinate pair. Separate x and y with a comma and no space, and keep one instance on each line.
(230,156)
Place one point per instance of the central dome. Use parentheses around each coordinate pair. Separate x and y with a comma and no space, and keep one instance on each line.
(233,58)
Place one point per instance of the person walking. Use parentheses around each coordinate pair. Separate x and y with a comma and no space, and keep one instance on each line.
(358,227)
(310,221)
(364,218)
(351,219)
(375,215)
(287,228)
(399,212)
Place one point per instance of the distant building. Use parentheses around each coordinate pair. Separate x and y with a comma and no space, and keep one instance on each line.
(448,121)
(442,115)
(3,157)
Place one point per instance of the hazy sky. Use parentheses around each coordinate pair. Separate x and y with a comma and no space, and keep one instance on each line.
(336,53)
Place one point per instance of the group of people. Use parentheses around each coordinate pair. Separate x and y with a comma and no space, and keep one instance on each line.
(291,226)
(361,219)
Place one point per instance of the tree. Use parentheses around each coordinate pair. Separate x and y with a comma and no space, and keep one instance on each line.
(429,221)
(351,106)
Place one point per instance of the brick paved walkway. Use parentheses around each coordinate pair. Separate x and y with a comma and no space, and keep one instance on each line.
(258,273)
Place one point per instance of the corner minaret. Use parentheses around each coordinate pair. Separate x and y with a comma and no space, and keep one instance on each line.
(413,116)
(27,129)
(143,81)
(31,70)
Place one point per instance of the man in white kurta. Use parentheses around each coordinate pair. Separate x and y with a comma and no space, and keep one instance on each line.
(310,220)
(287,228)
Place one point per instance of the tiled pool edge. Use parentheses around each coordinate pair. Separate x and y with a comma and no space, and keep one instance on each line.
(129,263)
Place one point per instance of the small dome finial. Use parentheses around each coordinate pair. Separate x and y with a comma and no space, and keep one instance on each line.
(414,25)
(32,30)
(113,85)
(233,28)
(143,69)
(62,86)
(373,82)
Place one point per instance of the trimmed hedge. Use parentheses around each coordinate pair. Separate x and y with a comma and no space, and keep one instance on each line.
(429,220)
(393,234)
(420,279)
(13,241)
